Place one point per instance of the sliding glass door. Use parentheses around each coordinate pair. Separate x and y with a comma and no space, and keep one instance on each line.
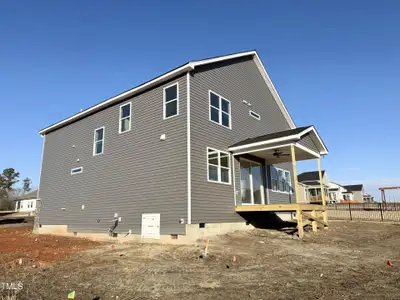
(251,182)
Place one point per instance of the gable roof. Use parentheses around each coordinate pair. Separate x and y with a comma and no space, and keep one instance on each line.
(280,136)
(270,136)
(309,176)
(354,187)
(189,66)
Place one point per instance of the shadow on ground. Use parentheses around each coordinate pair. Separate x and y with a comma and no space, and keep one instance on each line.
(267,220)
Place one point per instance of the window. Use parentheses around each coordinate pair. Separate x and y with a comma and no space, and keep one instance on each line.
(219,166)
(171,101)
(274,179)
(280,180)
(125,117)
(98,144)
(254,115)
(76,170)
(288,182)
(220,110)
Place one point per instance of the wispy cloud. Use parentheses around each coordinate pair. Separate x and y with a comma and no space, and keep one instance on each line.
(353,169)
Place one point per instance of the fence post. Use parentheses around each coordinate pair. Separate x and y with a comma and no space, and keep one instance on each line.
(380,206)
(351,218)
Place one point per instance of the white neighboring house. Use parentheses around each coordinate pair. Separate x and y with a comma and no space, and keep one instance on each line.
(337,193)
(26,203)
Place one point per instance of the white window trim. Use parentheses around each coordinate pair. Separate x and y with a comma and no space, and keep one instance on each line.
(120,117)
(219,166)
(277,179)
(251,182)
(255,115)
(219,109)
(177,101)
(81,170)
(94,140)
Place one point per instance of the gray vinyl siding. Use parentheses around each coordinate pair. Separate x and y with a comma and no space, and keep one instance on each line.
(137,173)
(309,143)
(236,80)
(358,196)
(279,197)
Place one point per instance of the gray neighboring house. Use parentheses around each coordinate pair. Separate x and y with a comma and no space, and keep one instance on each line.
(173,153)
(357,192)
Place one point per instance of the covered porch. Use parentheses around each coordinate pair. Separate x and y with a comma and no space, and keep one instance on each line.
(271,150)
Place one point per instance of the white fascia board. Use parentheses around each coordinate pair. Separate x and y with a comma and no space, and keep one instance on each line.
(307,150)
(312,128)
(273,90)
(186,68)
(222,58)
(262,143)
(264,74)
(282,139)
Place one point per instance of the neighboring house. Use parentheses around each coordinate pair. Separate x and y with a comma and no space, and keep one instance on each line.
(303,193)
(357,192)
(368,198)
(26,203)
(337,193)
(175,153)
(311,180)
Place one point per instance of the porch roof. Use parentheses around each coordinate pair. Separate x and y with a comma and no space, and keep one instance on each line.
(275,147)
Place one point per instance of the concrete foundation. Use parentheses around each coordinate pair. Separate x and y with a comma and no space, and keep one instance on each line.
(212,229)
(193,233)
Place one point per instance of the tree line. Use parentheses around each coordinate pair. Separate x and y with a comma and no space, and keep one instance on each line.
(8,190)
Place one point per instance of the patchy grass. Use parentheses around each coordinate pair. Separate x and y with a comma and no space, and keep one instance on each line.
(348,261)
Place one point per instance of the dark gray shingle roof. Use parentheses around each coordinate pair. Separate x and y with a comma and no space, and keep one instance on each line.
(309,176)
(354,187)
(271,136)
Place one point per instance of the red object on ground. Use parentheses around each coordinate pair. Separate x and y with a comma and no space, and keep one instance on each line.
(20,243)
(112,246)
(234,260)
(389,263)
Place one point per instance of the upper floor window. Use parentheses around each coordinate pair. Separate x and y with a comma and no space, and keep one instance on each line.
(280,180)
(220,110)
(125,117)
(171,101)
(219,166)
(98,143)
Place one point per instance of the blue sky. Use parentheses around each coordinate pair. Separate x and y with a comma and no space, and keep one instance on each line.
(335,64)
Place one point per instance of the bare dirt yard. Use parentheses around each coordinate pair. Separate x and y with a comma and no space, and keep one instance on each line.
(348,261)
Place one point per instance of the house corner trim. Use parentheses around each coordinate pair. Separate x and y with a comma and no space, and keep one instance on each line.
(189,169)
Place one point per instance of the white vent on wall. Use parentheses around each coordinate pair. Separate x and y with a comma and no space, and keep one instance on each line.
(163,137)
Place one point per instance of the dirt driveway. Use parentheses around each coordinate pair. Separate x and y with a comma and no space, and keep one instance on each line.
(346,262)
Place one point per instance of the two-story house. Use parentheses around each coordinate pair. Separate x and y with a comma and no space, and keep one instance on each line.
(178,152)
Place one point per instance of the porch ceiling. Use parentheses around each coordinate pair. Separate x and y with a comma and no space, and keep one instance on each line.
(270,156)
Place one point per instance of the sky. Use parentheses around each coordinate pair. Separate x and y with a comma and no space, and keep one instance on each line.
(335,64)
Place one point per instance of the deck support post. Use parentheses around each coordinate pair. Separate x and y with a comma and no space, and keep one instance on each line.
(314,223)
(321,184)
(293,155)
(299,214)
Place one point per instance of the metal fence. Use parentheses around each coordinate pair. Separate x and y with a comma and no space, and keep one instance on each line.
(384,212)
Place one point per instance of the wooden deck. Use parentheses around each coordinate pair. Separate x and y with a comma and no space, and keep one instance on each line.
(281,207)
